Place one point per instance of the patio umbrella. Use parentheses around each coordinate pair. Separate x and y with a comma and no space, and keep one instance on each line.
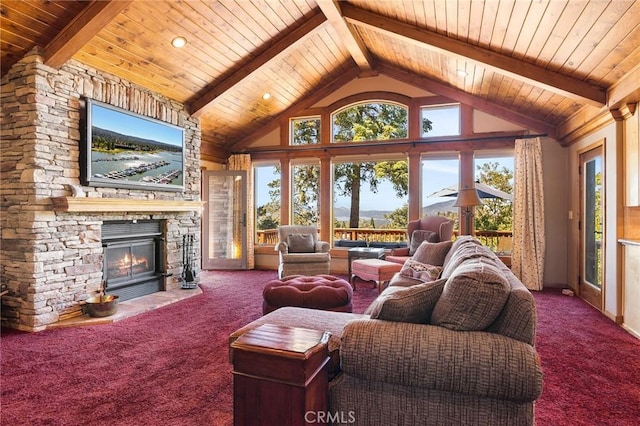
(484,191)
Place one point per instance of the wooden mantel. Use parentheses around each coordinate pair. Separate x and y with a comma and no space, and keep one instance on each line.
(81,204)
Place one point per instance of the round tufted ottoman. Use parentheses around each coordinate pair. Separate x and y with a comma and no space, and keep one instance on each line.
(324,292)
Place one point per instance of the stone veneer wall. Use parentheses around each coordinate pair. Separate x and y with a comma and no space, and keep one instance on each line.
(50,261)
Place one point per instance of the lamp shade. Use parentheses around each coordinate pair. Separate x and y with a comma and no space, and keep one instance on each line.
(467,197)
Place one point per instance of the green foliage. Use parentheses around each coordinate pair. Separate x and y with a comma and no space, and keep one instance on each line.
(399,218)
(426,125)
(495,213)
(396,172)
(305,194)
(266,218)
(306,131)
(370,122)
(268,215)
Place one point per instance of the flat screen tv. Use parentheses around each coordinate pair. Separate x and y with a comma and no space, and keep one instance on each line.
(125,150)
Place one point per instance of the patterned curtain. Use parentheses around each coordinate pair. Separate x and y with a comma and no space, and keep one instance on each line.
(527,260)
(243,162)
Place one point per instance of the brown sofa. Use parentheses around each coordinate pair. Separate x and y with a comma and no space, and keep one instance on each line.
(457,350)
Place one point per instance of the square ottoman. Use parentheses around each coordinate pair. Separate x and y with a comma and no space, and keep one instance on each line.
(377,270)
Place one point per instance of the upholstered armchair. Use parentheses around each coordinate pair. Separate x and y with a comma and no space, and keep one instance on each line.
(300,251)
(430,228)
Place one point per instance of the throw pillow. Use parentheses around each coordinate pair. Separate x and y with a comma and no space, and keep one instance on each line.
(420,235)
(472,298)
(300,243)
(407,304)
(420,271)
(432,253)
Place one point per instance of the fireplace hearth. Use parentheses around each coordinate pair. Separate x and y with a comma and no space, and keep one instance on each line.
(133,258)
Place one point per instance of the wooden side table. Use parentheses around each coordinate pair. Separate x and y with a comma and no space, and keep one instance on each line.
(280,376)
(363,253)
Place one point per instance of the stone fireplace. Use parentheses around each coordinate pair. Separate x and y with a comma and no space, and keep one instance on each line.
(53,229)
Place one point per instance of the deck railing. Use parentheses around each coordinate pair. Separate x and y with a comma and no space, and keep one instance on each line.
(498,241)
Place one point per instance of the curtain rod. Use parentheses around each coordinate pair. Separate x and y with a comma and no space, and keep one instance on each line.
(343,145)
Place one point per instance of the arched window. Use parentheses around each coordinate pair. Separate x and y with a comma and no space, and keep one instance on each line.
(370,121)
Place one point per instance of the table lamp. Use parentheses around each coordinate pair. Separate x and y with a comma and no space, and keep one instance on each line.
(467,198)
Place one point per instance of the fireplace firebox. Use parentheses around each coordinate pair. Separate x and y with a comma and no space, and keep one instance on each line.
(133,263)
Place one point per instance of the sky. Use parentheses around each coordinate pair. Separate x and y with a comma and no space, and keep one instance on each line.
(132,125)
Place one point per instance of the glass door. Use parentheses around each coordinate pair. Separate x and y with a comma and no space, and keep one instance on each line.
(224,225)
(592,227)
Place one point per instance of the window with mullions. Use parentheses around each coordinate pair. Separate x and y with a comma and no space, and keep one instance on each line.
(371,196)
(370,121)
(306,189)
(444,119)
(267,202)
(305,131)
(494,173)
(440,177)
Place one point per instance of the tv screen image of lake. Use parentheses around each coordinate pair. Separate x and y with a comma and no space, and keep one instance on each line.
(160,164)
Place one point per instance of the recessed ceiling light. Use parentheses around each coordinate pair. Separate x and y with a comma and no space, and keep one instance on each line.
(266,96)
(178,42)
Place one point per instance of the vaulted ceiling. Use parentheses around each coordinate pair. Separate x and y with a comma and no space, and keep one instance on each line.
(544,64)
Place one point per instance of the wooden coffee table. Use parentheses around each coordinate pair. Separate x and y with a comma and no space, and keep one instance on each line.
(279,374)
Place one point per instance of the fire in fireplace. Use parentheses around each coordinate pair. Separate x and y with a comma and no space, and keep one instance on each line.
(133,257)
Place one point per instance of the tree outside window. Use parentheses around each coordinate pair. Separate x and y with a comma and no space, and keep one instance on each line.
(267,200)
(306,189)
(359,183)
(305,131)
(371,121)
(496,214)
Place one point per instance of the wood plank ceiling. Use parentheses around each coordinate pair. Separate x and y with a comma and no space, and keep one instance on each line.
(538,63)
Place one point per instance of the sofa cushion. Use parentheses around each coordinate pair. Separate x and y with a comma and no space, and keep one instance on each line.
(420,235)
(350,243)
(407,304)
(461,241)
(432,253)
(472,298)
(463,252)
(300,243)
(420,271)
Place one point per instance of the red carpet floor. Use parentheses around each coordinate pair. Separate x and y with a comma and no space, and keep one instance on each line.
(169,366)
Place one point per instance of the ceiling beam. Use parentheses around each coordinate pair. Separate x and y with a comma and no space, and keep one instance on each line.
(348,36)
(273,53)
(293,110)
(625,90)
(512,67)
(466,98)
(587,120)
(89,22)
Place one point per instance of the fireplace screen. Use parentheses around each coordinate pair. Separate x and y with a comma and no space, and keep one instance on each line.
(133,257)
(131,261)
